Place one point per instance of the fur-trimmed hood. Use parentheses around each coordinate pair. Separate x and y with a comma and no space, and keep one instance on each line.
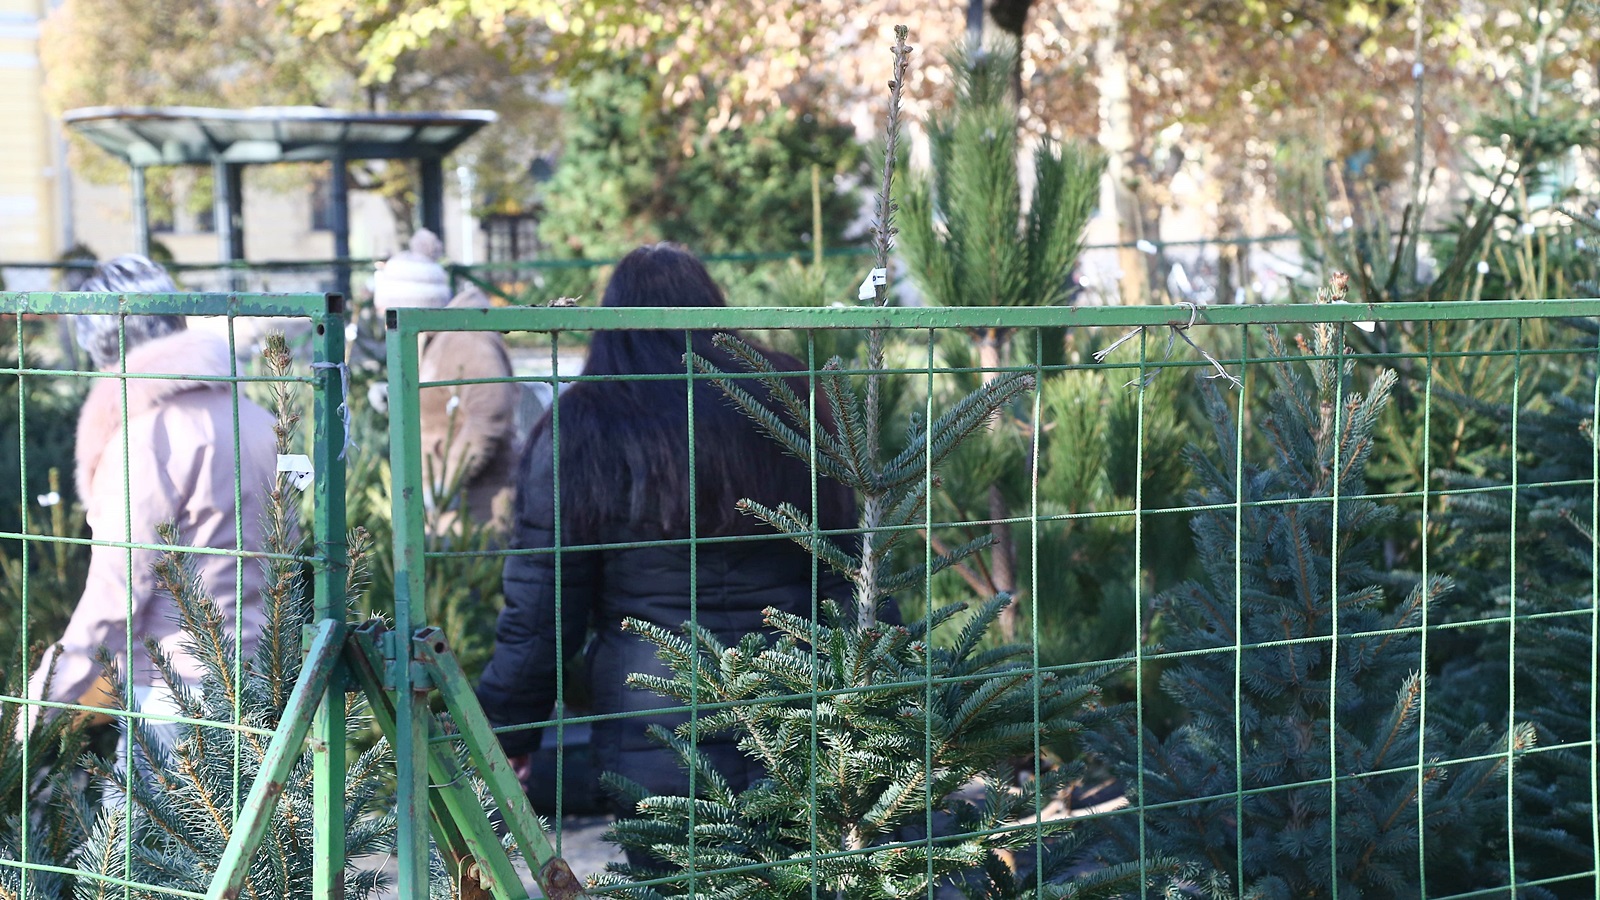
(181,354)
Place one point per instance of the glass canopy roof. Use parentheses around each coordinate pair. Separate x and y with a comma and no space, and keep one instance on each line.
(171,136)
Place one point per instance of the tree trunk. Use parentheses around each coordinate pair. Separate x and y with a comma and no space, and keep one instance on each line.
(1003,561)
(1117,198)
(1011,17)
(1233,270)
(1003,555)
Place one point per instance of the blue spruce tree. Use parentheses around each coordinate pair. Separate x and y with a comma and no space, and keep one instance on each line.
(1298,773)
(1532,553)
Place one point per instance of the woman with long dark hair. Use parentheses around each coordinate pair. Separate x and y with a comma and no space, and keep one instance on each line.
(625,479)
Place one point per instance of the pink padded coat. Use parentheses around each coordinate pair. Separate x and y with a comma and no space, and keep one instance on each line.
(180,455)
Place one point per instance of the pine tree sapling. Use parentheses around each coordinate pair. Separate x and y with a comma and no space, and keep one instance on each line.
(973,239)
(1296,774)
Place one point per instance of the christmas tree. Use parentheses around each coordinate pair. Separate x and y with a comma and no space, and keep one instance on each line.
(1530,553)
(1299,773)
(973,237)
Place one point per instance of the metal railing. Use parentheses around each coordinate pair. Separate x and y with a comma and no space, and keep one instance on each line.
(34,376)
(532,281)
(1078,503)
(285,791)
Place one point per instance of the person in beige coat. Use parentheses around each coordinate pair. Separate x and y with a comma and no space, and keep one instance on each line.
(470,445)
(178,437)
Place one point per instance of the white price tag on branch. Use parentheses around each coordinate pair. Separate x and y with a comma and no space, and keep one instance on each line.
(869,285)
(1368,327)
(298,467)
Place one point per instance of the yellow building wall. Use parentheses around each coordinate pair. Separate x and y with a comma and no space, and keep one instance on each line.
(29,224)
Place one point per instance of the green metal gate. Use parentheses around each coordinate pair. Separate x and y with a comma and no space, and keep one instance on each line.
(340,656)
(325,314)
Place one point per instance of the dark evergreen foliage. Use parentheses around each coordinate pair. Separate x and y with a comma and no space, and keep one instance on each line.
(55,572)
(1531,554)
(1278,706)
(856,776)
(632,171)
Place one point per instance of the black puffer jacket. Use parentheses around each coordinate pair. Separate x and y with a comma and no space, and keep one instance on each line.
(736,581)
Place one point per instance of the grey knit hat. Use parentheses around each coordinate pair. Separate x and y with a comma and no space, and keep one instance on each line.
(131,274)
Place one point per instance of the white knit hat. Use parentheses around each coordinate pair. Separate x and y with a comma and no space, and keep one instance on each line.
(413,277)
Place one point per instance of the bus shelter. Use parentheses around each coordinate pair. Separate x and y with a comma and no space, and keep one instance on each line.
(228,140)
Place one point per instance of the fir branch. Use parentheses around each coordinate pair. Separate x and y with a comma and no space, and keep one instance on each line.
(855,437)
(790,520)
(794,443)
(974,580)
(756,361)
(906,510)
(944,560)
(953,427)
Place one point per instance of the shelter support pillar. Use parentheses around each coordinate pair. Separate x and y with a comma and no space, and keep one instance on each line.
(227,210)
(141,213)
(433,194)
(339,188)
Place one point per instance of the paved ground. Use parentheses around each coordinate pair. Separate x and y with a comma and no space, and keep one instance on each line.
(581,847)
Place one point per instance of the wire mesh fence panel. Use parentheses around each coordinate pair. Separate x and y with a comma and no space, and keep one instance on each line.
(1235,601)
(1218,270)
(157,578)
(260,276)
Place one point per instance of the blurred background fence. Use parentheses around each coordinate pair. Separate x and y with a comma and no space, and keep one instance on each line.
(1186,269)
(1523,262)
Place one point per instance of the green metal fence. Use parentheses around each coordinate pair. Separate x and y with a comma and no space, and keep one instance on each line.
(37,378)
(1281,709)
(259,790)
(1437,772)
